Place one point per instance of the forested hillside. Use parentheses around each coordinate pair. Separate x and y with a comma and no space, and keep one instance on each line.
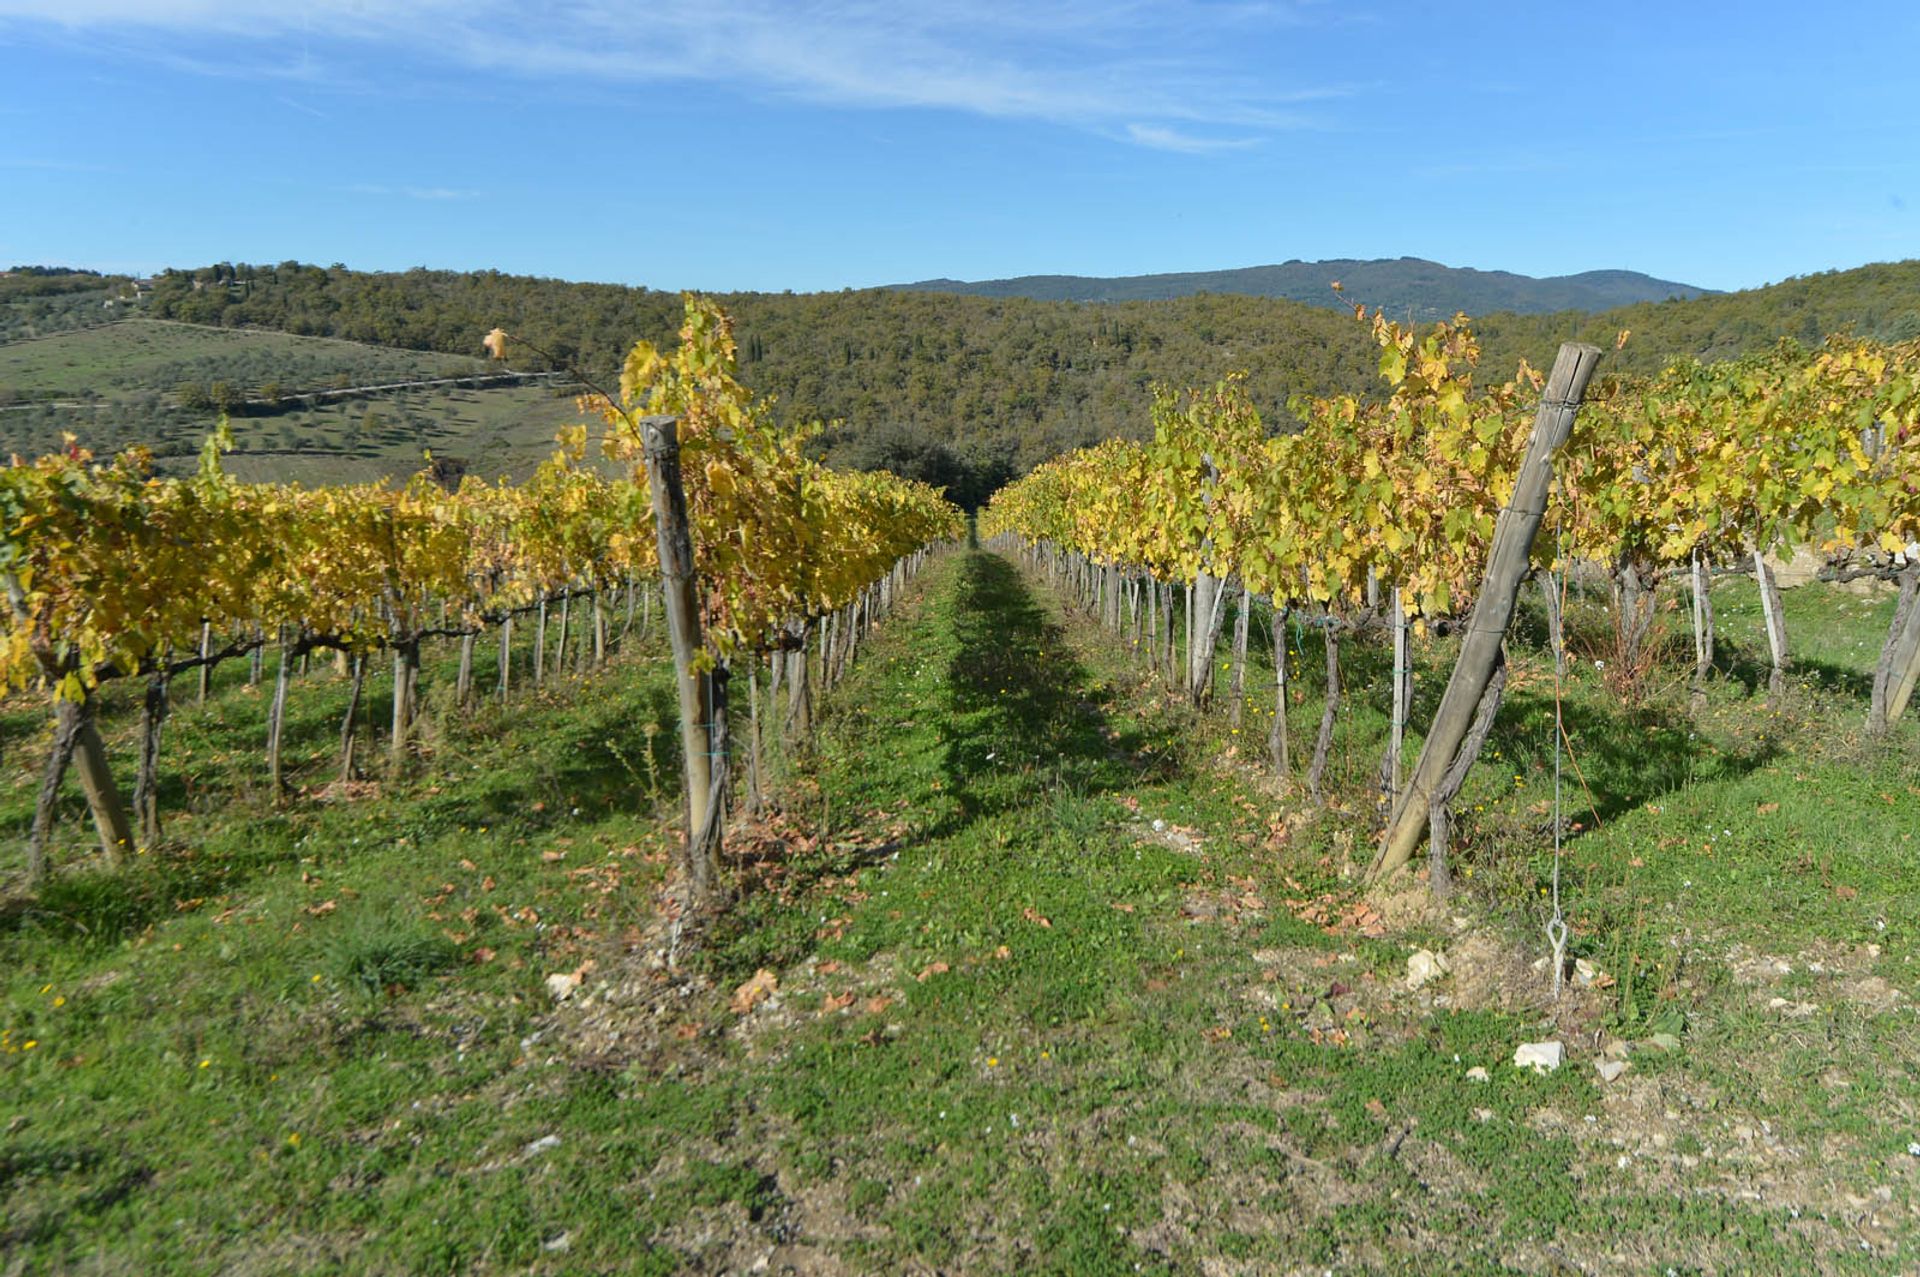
(966,391)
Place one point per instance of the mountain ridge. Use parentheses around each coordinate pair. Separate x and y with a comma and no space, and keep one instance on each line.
(1425,289)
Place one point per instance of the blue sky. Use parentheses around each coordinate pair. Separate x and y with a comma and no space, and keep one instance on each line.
(738,144)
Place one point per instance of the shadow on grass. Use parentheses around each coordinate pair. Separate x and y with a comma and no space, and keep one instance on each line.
(593,753)
(1752,667)
(113,1179)
(1023,706)
(1023,728)
(1621,760)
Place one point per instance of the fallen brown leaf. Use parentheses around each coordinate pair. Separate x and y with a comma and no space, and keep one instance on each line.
(754,991)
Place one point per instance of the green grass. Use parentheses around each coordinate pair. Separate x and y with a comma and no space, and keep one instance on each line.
(1015,1029)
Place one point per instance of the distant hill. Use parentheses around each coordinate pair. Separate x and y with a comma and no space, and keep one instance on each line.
(1427,289)
(959,390)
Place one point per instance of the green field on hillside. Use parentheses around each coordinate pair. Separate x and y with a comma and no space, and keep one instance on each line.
(503,430)
(1056,981)
(127,383)
(147,354)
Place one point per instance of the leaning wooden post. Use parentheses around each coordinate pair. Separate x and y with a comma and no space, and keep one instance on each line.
(660,445)
(1507,566)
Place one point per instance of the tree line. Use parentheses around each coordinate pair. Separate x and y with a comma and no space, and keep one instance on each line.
(967,390)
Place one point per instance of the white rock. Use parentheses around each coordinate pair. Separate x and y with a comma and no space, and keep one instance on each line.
(1584,973)
(1610,1070)
(1478,1074)
(544,1143)
(1541,1057)
(1424,967)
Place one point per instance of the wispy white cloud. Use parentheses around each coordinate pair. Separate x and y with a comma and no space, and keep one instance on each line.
(314,111)
(432,193)
(1159,73)
(1166,139)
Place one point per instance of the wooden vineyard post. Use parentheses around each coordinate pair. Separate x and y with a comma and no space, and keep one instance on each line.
(506,656)
(1702,624)
(1402,695)
(1507,566)
(1899,665)
(277,716)
(353,710)
(463,686)
(540,643)
(146,785)
(1277,736)
(1237,689)
(206,666)
(1776,624)
(661,447)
